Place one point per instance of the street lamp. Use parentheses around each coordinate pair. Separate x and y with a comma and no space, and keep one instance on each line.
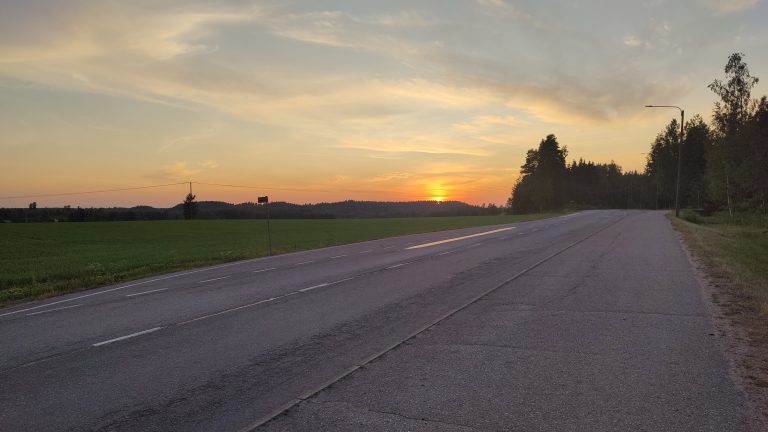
(679,154)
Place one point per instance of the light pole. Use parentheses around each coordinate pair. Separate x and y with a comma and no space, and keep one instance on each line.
(679,154)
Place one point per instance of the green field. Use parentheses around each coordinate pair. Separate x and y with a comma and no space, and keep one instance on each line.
(45,259)
(737,251)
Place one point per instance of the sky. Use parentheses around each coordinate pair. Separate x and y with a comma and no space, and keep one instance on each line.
(319,100)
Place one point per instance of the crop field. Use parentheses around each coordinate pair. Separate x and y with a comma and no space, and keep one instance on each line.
(45,259)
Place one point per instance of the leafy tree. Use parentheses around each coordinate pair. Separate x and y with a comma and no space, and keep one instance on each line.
(730,116)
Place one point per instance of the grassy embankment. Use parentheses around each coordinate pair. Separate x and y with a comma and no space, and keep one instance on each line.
(42,260)
(735,252)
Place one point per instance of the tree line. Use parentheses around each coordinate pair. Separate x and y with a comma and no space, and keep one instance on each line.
(248,210)
(724,164)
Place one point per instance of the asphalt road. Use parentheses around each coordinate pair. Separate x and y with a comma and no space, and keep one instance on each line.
(592,322)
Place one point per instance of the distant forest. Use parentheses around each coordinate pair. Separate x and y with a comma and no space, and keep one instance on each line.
(724,164)
(249,210)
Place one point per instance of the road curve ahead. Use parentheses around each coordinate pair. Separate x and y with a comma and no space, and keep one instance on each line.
(592,321)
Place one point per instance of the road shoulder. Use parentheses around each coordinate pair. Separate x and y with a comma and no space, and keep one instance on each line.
(740,332)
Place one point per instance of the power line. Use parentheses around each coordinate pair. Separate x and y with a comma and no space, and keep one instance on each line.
(92,192)
(291,189)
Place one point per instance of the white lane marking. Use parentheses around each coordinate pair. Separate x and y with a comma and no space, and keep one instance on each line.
(458,238)
(214,279)
(534,230)
(145,292)
(341,280)
(265,270)
(122,287)
(447,252)
(117,339)
(520,233)
(366,251)
(231,310)
(304,262)
(54,310)
(395,266)
(337,256)
(313,287)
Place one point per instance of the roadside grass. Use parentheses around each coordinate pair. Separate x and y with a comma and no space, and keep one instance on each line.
(40,260)
(736,252)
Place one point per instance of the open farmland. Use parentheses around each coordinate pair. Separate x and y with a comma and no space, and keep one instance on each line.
(41,260)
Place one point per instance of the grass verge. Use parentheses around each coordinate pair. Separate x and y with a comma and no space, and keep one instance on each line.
(43,260)
(737,253)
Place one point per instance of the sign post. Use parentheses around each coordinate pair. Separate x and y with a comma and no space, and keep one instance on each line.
(265,200)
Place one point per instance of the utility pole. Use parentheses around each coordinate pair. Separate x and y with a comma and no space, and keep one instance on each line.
(265,200)
(679,154)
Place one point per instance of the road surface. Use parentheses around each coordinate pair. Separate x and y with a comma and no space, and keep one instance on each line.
(592,321)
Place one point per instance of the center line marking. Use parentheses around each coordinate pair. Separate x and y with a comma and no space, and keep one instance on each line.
(266,269)
(341,280)
(214,279)
(231,310)
(338,256)
(458,238)
(145,292)
(313,287)
(127,336)
(54,310)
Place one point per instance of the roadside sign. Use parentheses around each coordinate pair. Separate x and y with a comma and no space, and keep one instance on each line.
(263,200)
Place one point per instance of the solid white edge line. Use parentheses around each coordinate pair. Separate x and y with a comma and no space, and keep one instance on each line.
(117,339)
(145,292)
(214,279)
(458,238)
(122,287)
(54,310)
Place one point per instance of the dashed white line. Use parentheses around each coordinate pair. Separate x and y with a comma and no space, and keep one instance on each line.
(313,287)
(117,339)
(265,270)
(366,251)
(145,292)
(447,252)
(341,280)
(304,262)
(214,279)
(54,310)
(395,266)
(337,256)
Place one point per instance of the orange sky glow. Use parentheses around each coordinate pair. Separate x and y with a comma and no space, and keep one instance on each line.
(318,101)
